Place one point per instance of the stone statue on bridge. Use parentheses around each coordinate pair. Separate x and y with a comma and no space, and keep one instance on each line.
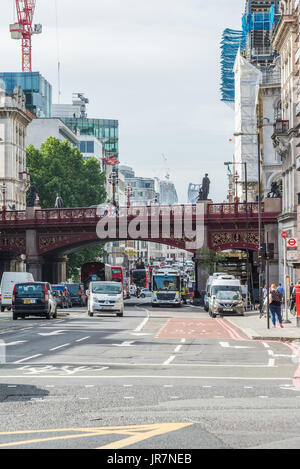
(59,202)
(204,189)
(275,192)
(32,195)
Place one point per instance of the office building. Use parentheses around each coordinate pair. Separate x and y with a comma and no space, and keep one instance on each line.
(37,91)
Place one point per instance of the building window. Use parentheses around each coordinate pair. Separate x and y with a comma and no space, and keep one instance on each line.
(90,147)
(83,147)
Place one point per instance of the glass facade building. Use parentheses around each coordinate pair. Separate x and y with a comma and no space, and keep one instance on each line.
(105,130)
(37,90)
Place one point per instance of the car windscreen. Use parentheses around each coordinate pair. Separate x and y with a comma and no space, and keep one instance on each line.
(30,290)
(166,283)
(217,288)
(229,295)
(111,289)
(73,289)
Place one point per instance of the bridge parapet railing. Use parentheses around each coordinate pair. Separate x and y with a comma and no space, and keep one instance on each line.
(68,214)
(13,215)
(234,210)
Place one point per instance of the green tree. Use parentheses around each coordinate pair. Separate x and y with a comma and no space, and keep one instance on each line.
(58,168)
(211,260)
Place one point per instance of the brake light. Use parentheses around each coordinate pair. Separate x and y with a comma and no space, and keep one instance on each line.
(46,294)
(14,294)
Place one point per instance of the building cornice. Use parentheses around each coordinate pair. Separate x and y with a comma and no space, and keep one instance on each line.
(286,24)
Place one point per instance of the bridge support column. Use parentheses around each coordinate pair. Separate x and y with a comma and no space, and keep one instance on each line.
(35,267)
(55,269)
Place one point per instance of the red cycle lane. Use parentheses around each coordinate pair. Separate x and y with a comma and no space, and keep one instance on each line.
(198,329)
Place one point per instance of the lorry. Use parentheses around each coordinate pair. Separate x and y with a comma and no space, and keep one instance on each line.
(166,287)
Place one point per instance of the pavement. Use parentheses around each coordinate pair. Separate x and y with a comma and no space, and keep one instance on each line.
(257,329)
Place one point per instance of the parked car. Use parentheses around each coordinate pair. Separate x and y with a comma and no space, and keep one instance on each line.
(8,281)
(61,296)
(76,291)
(33,299)
(146,293)
(105,296)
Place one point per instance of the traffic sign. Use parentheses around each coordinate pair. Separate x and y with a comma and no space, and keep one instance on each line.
(284,235)
(292,242)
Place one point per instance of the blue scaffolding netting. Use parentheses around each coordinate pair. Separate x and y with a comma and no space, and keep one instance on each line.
(232,40)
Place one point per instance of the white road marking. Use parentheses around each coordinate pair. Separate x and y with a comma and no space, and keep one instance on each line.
(219,397)
(128,343)
(226,345)
(60,346)
(128,397)
(266,345)
(48,334)
(143,323)
(248,387)
(13,343)
(168,385)
(177,349)
(140,334)
(271,362)
(223,378)
(170,359)
(84,338)
(128,385)
(183,341)
(263,397)
(28,358)
(174,397)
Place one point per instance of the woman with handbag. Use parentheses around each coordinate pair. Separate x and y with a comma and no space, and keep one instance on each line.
(275,301)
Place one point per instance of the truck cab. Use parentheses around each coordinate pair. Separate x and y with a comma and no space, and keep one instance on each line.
(166,286)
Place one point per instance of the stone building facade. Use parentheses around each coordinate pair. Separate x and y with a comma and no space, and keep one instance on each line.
(14,120)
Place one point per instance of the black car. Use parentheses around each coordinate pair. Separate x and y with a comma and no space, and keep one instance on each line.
(33,299)
(77,294)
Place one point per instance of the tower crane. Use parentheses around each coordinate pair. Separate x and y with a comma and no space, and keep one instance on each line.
(24,29)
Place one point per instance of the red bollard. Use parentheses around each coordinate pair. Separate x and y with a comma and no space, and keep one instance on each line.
(298,304)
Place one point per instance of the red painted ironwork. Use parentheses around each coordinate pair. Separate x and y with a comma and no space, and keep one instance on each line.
(59,229)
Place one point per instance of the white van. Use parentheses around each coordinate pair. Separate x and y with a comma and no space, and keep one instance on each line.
(105,296)
(223,283)
(207,288)
(8,281)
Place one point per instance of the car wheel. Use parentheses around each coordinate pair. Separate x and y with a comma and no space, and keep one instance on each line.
(2,309)
(48,315)
(91,314)
(55,314)
(120,315)
(15,317)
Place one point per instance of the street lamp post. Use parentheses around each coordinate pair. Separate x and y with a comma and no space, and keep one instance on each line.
(247,221)
(260,276)
(130,193)
(114,180)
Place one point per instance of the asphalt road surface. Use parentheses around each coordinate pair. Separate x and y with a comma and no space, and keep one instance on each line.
(156,378)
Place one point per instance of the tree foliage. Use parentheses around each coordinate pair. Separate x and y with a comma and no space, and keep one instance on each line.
(58,168)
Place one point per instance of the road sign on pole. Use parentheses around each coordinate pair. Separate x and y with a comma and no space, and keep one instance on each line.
(284,235)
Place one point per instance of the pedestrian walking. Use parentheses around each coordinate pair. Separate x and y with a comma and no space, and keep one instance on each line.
(264,303)
(275,300)
(281,290)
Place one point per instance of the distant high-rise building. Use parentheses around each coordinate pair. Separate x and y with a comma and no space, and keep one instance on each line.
(37,90)
(168,193)
(75,117)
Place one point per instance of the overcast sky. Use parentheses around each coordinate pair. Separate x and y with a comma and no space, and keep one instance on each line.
(153,65)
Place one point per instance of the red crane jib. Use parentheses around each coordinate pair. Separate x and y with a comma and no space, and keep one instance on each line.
(25,12)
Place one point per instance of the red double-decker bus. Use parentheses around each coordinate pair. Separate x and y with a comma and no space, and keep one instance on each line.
(140,278)
(117,274)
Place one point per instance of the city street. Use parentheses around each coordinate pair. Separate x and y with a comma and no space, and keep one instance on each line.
(156,378)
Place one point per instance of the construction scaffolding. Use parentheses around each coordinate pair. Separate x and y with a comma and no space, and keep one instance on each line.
(232,41)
